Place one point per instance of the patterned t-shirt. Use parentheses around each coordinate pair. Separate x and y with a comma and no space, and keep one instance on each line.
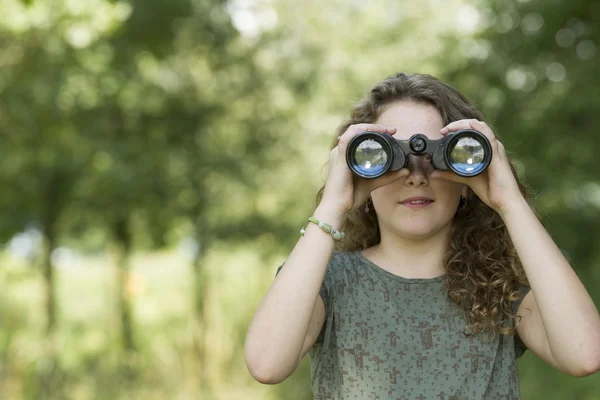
(389,337)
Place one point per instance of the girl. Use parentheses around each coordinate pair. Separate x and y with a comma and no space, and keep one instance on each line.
(440,282)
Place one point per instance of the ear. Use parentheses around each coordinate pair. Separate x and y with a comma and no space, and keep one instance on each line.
(465,191)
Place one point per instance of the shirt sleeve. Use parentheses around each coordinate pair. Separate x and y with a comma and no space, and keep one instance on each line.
(520,347)
(324,292)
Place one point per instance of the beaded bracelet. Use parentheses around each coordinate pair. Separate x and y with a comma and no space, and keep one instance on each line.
(337,235)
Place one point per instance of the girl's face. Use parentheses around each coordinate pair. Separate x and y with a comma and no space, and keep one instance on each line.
(416,206)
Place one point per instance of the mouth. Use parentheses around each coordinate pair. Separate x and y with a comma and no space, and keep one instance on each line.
(417,202)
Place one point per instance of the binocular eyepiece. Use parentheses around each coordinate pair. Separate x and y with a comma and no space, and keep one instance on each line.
(466,152)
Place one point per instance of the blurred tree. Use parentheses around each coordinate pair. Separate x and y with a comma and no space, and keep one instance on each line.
(43,154)
(138,120)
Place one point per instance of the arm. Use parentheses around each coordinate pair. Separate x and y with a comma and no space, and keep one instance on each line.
(560,322)
(291,314)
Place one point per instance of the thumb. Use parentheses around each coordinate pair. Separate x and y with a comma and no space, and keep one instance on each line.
(389,178)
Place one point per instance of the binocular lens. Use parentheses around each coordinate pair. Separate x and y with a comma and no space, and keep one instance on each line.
(370,158)
(467,156)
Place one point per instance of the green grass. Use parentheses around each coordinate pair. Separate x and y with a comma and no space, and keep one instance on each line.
(84,359)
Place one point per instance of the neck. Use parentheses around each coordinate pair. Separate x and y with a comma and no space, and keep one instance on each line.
(411,257)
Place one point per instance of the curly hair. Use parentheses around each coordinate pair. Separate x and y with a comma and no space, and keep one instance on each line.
(484,273)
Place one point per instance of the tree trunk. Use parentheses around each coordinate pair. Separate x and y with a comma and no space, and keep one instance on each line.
(123,237)
(51,382)
(54,201)
(49,285)
(200,290)
(47,373)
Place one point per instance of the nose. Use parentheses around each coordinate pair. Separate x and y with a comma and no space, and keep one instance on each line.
(417,171)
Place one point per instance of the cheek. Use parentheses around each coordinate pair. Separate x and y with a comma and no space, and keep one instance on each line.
(383,194)
(450,190)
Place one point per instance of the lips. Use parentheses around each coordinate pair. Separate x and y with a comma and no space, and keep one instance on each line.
(417,202)
(417,199)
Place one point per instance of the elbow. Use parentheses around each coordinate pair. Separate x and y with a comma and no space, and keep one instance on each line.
(583,372)
(262,371)
(265,378)
(263,375)
(589,365)
(592,361)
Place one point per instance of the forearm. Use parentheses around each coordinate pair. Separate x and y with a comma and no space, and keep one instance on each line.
(278,329)
(569,316)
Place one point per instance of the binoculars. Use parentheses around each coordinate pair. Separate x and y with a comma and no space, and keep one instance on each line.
(466,152)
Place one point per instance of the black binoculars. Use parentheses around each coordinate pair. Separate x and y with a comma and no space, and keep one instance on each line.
(466,152)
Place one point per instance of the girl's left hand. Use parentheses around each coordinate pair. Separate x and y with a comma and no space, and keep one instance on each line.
(496,186)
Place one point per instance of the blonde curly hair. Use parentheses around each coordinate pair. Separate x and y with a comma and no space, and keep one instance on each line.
(484,273)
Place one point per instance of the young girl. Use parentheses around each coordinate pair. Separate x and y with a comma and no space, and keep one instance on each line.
(440,282)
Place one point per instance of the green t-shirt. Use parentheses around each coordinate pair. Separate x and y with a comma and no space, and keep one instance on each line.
(389,337)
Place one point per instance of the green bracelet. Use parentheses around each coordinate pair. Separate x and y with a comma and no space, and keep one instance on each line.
(337,235)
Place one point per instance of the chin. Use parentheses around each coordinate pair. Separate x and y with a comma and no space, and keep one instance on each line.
(419,229)
(417,232)
(418,225)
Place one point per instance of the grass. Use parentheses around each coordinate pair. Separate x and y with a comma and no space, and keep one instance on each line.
(84,360)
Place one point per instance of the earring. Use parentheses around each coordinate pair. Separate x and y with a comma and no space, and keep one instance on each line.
(367,205)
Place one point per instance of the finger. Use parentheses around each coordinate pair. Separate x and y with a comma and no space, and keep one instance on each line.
(358,128)
(501,149)
(483,128)
(457,125)
(472,123)
(355,129)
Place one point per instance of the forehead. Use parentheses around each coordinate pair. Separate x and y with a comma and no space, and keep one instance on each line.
(409,117)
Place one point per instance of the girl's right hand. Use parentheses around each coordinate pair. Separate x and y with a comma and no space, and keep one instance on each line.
(344,191)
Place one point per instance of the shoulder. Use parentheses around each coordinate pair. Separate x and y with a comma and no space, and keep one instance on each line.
(344,266)
(340,257)
(341,261)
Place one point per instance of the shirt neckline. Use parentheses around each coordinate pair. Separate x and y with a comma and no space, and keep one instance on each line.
(358,255)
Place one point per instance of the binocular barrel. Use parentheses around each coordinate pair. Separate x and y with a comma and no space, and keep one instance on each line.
(466,152)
